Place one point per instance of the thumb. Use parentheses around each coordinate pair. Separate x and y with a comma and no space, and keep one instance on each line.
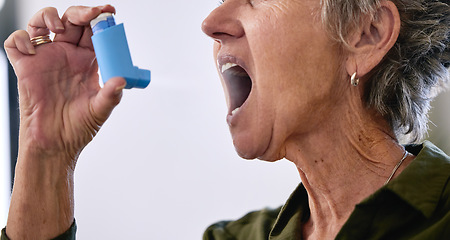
(107,98)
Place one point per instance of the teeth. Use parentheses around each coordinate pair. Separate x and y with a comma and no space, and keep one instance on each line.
(227,66)
(234,111)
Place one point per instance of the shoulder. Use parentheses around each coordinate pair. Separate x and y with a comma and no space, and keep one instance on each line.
(436,225)
(253,226)
(425,186)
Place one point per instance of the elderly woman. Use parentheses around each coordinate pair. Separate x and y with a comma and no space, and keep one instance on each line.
(330,85)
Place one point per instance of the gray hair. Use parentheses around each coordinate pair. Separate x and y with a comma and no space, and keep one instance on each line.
(411,74)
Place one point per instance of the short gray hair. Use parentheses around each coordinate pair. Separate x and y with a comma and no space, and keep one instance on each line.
(411,74)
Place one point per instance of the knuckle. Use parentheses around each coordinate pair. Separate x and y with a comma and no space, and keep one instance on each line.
(72,10)
(75,8)
(20,34)
(47,10)
(31,28)
(49,13)
(42,14)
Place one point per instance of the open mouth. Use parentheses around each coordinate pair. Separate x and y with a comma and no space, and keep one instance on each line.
(238,83)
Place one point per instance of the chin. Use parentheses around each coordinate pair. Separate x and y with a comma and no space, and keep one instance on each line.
(250,149)
(246,150)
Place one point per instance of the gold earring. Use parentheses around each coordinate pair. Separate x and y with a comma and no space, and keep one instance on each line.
(353,80)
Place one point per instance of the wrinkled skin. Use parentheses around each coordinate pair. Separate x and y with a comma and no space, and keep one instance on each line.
(296,70)
(62,107)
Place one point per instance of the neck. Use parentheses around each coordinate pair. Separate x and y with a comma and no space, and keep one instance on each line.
(342,163)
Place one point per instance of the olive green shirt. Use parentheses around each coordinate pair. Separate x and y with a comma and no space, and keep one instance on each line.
(415,205)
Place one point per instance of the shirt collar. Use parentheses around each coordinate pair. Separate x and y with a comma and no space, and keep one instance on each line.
(421,184)
(291,216)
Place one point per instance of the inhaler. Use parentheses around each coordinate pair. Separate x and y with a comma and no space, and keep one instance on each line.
(113,54)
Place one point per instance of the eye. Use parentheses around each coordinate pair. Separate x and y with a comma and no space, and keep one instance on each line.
(221,2)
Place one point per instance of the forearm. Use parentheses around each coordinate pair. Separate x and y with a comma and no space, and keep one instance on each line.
(42,204)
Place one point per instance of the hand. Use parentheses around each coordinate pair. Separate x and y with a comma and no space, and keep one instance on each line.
(61,104)
(61,109)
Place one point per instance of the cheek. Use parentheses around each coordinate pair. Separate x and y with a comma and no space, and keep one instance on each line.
(290,46)
(280,41)
(297,68)
(292,64)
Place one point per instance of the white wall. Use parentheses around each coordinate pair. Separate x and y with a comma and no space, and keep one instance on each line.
(164,163)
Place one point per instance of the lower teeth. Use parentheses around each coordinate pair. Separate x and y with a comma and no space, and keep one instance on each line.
(234,111)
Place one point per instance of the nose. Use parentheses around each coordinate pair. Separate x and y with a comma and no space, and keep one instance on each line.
(223,22)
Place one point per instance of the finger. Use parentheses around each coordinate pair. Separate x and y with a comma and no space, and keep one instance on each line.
(86,41)
(108,8)
(107,98)
(81,15)
(76,20)
(44,21)
(18,43)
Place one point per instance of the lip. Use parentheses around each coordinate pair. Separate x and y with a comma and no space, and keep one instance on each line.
(224,59)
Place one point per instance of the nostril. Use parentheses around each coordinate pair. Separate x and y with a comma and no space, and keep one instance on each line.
(219,35)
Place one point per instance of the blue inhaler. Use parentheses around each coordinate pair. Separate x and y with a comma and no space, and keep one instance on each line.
(113,54)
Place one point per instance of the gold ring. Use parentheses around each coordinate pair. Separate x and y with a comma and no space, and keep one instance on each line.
(36,41)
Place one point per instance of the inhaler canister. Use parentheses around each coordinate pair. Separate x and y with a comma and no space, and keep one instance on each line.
(113,55)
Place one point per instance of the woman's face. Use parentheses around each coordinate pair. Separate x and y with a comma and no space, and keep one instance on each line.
(280,71)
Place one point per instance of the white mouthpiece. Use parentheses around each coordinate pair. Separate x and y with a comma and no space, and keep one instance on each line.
(101,17)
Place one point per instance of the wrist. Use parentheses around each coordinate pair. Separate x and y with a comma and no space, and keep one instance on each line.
(42,201)
(34,143)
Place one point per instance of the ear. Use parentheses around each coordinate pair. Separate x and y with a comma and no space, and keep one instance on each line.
(373,40)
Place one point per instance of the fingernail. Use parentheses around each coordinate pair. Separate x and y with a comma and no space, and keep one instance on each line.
(59,26)
(31,50)
(120,88)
